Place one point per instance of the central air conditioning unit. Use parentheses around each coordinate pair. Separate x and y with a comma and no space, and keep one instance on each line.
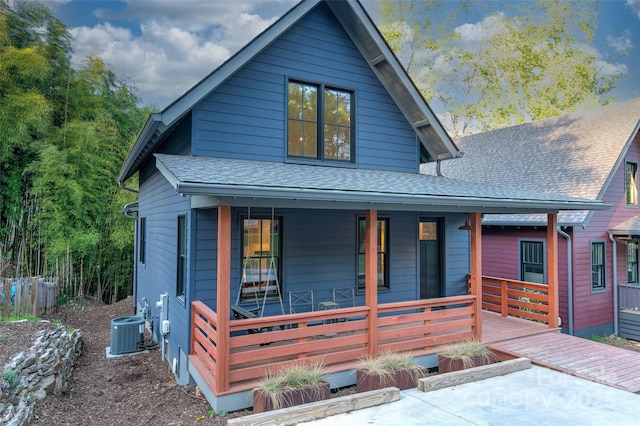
(126,334)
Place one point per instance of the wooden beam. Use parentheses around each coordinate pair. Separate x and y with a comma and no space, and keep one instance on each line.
(454,378)
(319,410)
(371,279)
(223,285)
(476,271)
(552,269)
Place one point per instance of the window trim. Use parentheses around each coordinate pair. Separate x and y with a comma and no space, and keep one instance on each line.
(320,124)
(181,257)
(280,266)
(521,260)
(387,256)
(603,272)
(627,184)
(635,268)
(142,240)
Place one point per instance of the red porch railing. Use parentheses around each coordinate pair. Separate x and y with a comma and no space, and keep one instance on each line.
(336,337)
(516,298)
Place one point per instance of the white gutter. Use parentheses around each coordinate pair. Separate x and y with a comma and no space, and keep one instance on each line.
(616,314)
(569,279)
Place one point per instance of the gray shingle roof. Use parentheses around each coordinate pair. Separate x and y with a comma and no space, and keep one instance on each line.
(243,178)
(574,155)
(628,227)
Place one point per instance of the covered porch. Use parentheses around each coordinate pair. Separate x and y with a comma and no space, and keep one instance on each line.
(228,357)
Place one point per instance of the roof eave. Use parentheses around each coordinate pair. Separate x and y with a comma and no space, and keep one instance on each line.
(386,66)
(487,205)
(136,154)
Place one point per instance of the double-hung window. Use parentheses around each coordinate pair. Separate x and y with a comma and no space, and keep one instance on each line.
(319,123)
(261,264)
(382,253)
(597,265)
(532,261)
(632,262)
(181,276)
(631,183)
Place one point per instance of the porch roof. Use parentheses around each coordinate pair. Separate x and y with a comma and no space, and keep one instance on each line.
(629,227)
(240,182)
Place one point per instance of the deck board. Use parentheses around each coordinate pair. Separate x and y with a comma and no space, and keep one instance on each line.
(598,362)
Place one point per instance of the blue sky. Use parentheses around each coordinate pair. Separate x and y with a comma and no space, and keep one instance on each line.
(164,47)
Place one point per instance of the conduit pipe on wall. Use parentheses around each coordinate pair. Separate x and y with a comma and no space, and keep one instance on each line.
(615,284)
(569,278)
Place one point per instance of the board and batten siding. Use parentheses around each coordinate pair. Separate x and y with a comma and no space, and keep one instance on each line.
(320,253)
(245,117)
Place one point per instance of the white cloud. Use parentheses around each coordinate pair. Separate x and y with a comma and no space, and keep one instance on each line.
(172,45)
(621,44)
(479,31)
(635,6)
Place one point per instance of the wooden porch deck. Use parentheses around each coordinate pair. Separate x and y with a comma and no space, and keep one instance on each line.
(598,362)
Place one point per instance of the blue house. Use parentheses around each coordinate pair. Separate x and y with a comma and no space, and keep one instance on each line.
(282,214)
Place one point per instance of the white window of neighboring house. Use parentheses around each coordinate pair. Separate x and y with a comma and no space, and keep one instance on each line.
(597,265)
(632,262)
(532,261)
(631,181)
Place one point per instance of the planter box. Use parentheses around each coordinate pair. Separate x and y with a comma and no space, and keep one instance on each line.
(446,364)
(402,380)
(291,397)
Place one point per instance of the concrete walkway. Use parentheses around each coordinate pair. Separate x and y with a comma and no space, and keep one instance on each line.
(537,396)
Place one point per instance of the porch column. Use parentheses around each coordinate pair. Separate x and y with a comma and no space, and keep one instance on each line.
(223,297)
(476,271)
(552,268)
(371,278)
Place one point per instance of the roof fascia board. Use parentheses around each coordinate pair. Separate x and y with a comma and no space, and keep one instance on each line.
(619,161)
(170,177)
(612,172)
(504,205)
(194,95)
(391,59)
(148,130)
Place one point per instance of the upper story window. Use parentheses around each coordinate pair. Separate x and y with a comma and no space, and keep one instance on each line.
(320,123)
(631,180)
(597,266)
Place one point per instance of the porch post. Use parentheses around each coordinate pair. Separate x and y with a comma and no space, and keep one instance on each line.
(552,268)
(223,297)
(371,278)
(476,271)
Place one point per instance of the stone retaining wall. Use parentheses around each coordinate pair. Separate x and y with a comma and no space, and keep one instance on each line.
(31,376)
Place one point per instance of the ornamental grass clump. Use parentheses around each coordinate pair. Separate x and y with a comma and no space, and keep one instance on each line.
(469,352)
(386,364)
(276,385)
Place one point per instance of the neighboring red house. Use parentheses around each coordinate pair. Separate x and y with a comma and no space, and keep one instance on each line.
(593,154)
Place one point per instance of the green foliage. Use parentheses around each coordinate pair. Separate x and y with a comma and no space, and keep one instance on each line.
(11,376)
(526,62)
(64,133)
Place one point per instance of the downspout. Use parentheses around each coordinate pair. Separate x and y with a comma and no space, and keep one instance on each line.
(616,314)
(569,278)
(125,211)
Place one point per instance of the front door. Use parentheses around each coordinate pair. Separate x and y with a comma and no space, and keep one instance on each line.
(431,283)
